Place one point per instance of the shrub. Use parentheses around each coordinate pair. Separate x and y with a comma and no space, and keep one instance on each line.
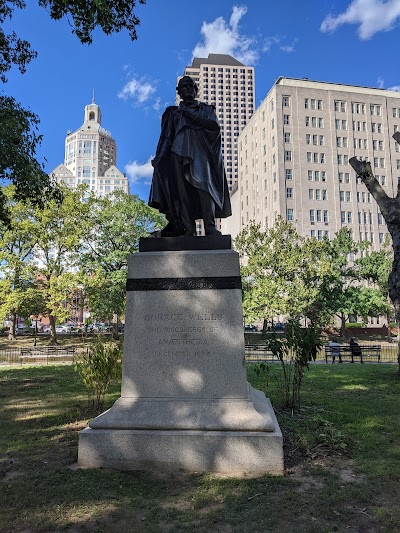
(100,366)
(295,351)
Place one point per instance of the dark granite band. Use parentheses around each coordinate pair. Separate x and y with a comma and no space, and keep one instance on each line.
(183,284)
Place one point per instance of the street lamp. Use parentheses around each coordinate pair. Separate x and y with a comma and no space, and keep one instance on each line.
(35,319)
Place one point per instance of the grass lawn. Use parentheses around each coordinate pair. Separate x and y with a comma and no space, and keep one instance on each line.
(342,463)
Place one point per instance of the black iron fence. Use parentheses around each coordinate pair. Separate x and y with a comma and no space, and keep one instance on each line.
(39,355)
(258,353)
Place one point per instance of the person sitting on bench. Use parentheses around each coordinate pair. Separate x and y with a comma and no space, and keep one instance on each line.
(355,350)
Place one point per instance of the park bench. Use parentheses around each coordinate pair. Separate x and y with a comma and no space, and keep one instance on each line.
(258,353)
(369,352)
(47,353)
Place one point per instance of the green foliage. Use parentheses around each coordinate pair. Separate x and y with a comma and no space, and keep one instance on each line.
(115,225)
(19,140)
(283,271)
(85,16)
(98,368)
(294,351)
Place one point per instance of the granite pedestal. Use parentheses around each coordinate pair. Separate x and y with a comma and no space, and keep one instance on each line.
(185,403)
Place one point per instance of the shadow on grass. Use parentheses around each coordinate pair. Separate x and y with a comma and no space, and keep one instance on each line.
(45,409)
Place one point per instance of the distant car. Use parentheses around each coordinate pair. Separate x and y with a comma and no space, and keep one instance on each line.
(65,328)
(250,327)
(24,330)
(280,326)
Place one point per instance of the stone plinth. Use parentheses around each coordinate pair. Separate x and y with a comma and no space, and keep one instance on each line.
(185,402)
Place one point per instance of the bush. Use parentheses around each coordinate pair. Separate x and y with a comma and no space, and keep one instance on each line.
(295,351)
(100,366)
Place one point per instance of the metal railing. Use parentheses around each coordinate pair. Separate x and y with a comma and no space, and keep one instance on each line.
(257,353)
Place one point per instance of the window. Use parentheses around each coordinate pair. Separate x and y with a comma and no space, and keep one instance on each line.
(308,138)
(288,155)
(326,218)
(286,101)
(310,175)
(319,217)
(324,194)
(312,216)
(340,177)
(306,103)
(341,193)
(311,194)
(376,110)
(287,137)
(343,216)
(289,192)
(319,104)
(290,215)
(286,120)
(323,175)
(272,123)
(289,174)
(318,194)
(380,219)
(348,196)
(349,217)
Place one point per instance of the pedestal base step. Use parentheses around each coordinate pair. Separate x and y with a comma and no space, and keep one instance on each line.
(229,452)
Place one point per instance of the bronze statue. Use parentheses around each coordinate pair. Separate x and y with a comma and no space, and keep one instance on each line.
(189,181)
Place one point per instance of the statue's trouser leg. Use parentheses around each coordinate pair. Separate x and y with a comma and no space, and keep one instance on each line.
(182,201)
(207,206)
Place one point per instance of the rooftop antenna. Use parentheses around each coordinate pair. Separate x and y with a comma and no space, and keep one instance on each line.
(93,102)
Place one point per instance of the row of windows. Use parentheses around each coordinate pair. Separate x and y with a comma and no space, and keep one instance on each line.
(319,215)
(340,106)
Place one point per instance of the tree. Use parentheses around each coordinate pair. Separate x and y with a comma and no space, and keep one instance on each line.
(116,224)
(18,295)
(19,140)
(59,236)
(18,127)
(390,209)
(283,272)
(375,268)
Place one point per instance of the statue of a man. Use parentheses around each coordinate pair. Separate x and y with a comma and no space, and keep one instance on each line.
(189,181)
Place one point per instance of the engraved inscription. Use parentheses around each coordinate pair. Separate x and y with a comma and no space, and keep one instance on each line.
(182,334)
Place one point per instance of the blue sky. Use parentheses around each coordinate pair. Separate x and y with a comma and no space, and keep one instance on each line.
(353,42)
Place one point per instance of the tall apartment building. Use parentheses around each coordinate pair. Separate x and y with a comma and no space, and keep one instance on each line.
(91,157)
(294,159)
(229,85)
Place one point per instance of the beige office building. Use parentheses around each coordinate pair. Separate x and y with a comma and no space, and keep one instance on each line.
(91,157)
(294,159)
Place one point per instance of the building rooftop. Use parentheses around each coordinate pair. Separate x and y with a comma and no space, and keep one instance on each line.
(216,59)
(284,80)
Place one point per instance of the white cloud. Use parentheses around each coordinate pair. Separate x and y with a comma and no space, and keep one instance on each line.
(137,89)
(394,88)
(222,37)
(276,40)
(157,104)
(137,171)
(372,16)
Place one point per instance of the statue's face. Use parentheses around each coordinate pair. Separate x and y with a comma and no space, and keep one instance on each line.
(187,89)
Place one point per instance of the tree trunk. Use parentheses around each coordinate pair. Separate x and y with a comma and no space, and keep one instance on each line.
(342,325)
(53,334)
(390,209)
(11,331)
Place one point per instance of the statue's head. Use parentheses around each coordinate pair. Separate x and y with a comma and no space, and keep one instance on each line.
(187,85)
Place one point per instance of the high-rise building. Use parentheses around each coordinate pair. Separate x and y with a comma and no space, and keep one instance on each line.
(294,159)
(91,157)
(229,85)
